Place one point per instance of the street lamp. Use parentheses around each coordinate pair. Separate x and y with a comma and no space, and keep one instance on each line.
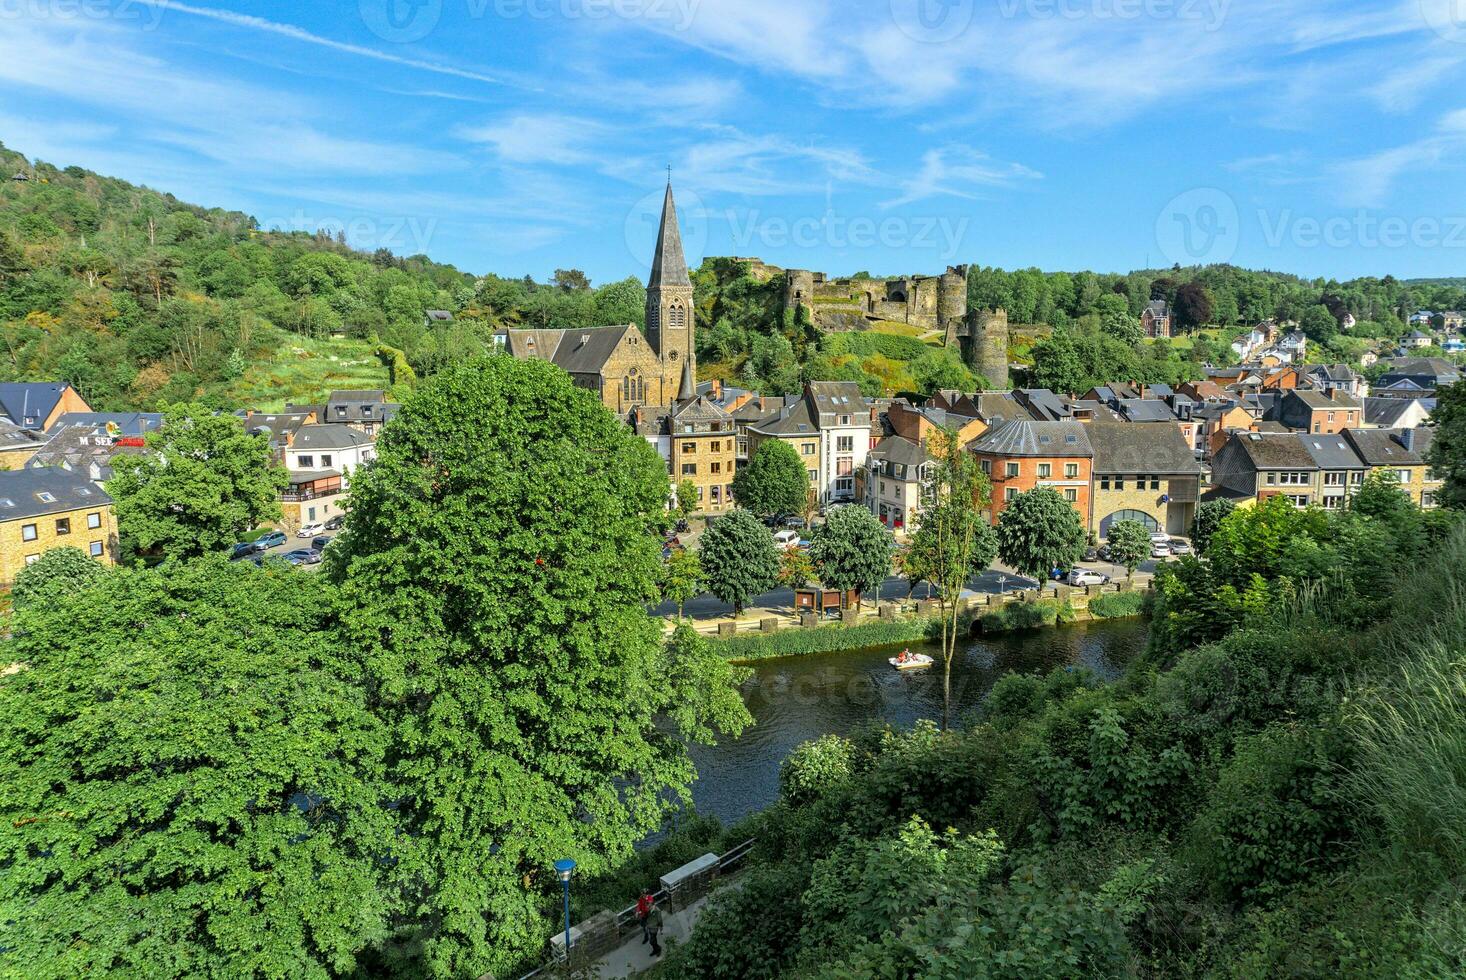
(563,867)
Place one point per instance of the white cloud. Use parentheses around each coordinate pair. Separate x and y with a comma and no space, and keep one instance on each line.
(539,138)
(958,171)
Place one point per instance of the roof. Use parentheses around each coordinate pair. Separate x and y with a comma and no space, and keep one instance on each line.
(1042,404)
(1316,399)
(1146,410)
(759,408)
(1025,437)
(84,449)
(997,406)
(275,424)
(1141,447)
(1386,412)
(122,423)
(14,437)
(1275,451)
(669,267)
(792,420)
(579,351)
(329,437)
(1386,447)
(22,400)
(1157,307)
(836,398)
(438,316)
(1330,452)
(900,450)
(699,409)
(41,490)
(1332,372)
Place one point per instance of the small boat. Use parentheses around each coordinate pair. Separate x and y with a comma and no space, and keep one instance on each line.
(907,660)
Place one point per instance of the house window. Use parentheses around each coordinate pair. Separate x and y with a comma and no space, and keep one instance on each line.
(987,467)
(45,497)
(844,420)
(844,466)
(1104,483)
(32,559)
(94,521)
(1333,479)
(325,460)
(845,444)
(1155,484)
(1011,470)
(808,449)
(716,447)
(1071,471)
(813,476)
(717,495)
(63,525)
(1071,494)
(1299,500)
(1045,470)
(689,448)
(27,532)
(844,486)
(699,494)
(96,549)
(715,467)
(689,469)
(1010,493)
(1119,483)
(1402,475)
(305,462)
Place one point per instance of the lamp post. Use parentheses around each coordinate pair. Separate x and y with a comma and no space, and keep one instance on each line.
(563,867)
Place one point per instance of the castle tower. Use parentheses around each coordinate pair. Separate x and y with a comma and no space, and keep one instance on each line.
(669,317)
(799,289)
(987,345)
(952,302)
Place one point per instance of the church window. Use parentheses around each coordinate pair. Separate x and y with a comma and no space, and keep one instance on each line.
(677,317)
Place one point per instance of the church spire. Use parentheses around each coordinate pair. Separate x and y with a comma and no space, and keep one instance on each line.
(669,266)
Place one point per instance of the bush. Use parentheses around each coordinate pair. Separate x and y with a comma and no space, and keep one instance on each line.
(814,768)
(887,345)
(832,638)
(748,933)
(1015,697)
(1027,615)
(1117,605)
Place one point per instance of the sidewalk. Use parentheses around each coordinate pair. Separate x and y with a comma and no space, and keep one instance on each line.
(633,957)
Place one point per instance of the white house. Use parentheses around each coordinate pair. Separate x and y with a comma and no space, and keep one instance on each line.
(843,418)
(320,461)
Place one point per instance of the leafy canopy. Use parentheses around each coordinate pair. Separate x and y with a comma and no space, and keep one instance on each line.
(774,482)
(1129,544)
(58,572)
(739,558)
(851,549)
(1040,530)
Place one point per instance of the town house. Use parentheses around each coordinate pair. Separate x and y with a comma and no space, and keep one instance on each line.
(1020,455)
(320,460)
(48,507)
(1145,472)
(1402,453)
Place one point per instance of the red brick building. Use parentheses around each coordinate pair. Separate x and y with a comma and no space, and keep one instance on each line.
(1020,455)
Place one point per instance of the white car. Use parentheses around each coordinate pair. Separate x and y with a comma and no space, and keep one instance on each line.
(1083,576)
(1160,549)
(786,539)
(310,530)
(1160,537)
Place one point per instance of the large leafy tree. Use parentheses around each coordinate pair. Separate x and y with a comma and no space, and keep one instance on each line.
(1448,450)
(58,572)
(952,541)
(775,481)
(851,550)
(1040,530)
(500,556)
(739,558)
(1209,517)
(202,483)
(188,785)
(1129,544)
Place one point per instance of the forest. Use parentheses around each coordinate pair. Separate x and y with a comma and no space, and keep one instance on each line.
(141,300)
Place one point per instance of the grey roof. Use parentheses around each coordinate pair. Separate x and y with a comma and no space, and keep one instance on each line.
(1331,452)
(1042,404)
(1275,451)
(310,476)
(22,400)
(669,267)
(125,423)
(1433,370)
(998,406)
(15,437)
(1332,372)
(1386,447)
(1141,447)
(1386,412)
(836,398)
(1146,410)
(760,408)
(1157,307)
(586,351)
(898,449)
(21,493)
(1024,437)
(277,424)
(697,410)
(83,449)
(792,420)
(438,316)
(322,437)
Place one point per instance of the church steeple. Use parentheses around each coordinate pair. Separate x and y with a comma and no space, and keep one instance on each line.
(669,315)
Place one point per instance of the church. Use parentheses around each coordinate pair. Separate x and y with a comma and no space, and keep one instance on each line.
(630,371)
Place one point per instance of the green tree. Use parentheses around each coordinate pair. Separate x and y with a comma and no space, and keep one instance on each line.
(501,553)
(202,483)
(1382,497)
(58,572)
(775,481)
(1209,517)
(1038,531)
(851,550)
(952,541)
(1448,449)
(681,577)
(937,369)
(739,558)
(686,499)
(1318,324)
(189,786)
(1123,327)
(796,570)
(1129,544)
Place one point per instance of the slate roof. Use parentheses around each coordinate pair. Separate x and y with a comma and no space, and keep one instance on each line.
(1386,412)
(1332,372)
(83,449)
(20,400)
(759,408)
(17,437)
(1386,447)
(698,411)
(1023,437)
(998,406)
(836,398)
(898,449)
(21,493)
(1146,410)
(1042,404)
(125,423)
(277,424)
(329,436)
(669,267)
(438,316)
(1141,447)
(1331,452)
(579,351)
(1275,451)
(792,420)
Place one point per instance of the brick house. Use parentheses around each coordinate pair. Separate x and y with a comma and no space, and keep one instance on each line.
(1143,471)
(1155,319)
(1020,455)
(1319,412)
(48,507)
(1259,465)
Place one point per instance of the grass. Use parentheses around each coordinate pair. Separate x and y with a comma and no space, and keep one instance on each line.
(896,327)
(1026,616)
(305,370)
(833,638)
(1117,605)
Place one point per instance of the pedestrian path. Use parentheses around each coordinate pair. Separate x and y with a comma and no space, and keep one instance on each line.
(632,957)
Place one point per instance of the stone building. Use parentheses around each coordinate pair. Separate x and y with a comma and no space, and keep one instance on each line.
(852,303)
(699,441)
(1145,472)
(48,507)
(628,369)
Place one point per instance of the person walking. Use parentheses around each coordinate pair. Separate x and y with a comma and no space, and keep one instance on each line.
(654,929)
(643,909)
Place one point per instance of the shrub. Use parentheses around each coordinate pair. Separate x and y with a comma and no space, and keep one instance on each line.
(815,767)
(1117,605)
(748,933)
(1027,615)
(1013,698)
(887,345)
(825,639)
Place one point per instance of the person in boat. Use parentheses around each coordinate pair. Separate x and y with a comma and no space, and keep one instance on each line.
(903,657)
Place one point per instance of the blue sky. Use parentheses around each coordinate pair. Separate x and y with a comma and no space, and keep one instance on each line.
(1322,137)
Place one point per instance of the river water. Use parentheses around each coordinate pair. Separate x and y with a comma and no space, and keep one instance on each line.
(795,699)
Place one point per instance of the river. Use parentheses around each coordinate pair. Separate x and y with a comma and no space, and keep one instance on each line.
(795,699)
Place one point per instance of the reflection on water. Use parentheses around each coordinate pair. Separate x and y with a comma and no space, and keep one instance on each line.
(795,699)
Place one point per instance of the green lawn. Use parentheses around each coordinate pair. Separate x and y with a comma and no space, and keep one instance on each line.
(896,327)
(306,370)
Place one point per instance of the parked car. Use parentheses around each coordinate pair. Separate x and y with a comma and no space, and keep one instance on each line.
(320,543)
(270,539)
(1179,547)
(1160,537)
(1159,549)
(334,524)
(310,530)
(1104,553)
(786,538)
(1091,554)
(303,556)
(1083,576)
(242,550)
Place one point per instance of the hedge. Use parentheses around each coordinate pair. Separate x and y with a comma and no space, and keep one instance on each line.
(1027,615)
(795,642)
(889,345)
(1117,605)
